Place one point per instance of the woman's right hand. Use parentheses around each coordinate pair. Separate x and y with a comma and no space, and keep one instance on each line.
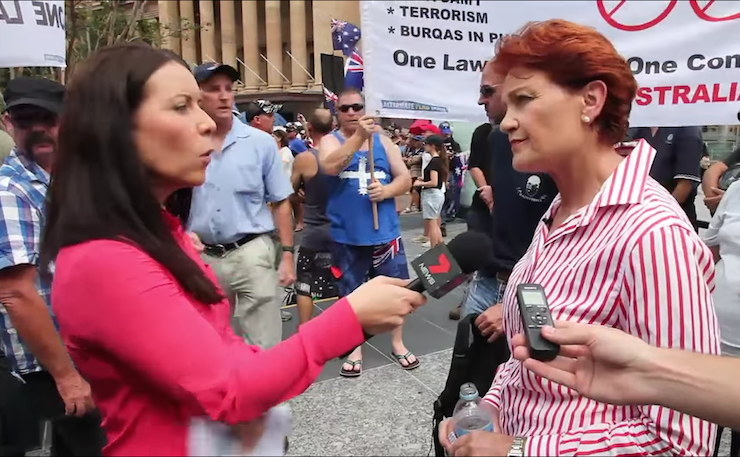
(382,303)
(598,362)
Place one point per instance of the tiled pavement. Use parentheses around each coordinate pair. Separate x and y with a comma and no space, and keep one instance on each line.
(386,411)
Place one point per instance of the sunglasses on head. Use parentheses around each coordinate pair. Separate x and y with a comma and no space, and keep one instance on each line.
(356,107)
(487,91)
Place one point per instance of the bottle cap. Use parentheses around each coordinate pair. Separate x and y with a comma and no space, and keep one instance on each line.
(468,391)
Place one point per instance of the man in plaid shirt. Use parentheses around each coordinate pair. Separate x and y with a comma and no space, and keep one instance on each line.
(53,390)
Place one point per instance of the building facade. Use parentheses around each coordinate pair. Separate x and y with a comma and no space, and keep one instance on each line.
(275,45)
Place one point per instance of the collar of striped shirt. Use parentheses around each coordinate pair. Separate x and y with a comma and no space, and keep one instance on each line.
(630,260)
(626,186)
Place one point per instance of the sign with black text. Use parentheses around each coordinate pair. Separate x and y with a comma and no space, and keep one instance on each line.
(423,58)
(32,33)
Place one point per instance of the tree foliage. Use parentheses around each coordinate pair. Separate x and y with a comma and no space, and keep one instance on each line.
(94,24)
(91,25)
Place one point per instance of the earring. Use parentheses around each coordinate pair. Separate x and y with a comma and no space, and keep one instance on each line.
(586,119)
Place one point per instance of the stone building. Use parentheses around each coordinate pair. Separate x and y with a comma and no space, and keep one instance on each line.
(275,45)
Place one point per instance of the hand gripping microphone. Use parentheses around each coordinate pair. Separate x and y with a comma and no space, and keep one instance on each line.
(442,268)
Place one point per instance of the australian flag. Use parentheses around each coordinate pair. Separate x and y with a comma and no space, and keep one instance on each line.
(344,36)
(330,99)
(354,71)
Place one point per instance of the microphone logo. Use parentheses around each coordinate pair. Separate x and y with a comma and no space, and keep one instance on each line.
(443,265)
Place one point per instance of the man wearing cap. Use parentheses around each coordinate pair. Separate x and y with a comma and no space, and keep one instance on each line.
(230,213)
(296,143)
(53,390)
(261,115)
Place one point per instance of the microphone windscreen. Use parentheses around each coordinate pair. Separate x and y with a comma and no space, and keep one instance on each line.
(472,251)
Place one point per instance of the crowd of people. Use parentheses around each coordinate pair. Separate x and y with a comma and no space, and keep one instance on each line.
(147,230)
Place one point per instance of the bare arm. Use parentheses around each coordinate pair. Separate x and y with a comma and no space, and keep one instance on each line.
(683,190)
(299,167)
(433,180)
(478,177)
(711,177)
(30,317)
(609,360)
(334,156)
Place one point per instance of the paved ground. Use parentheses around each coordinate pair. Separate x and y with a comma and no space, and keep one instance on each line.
(387,411)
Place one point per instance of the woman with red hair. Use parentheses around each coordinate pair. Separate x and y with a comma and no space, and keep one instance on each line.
(613,249)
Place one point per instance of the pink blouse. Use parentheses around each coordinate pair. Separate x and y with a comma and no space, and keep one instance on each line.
(155,357)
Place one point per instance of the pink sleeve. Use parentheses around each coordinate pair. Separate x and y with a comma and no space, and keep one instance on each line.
(119,300)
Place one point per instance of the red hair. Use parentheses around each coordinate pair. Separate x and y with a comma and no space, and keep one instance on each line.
(573,55)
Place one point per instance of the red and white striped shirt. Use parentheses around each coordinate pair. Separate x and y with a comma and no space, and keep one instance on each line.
(629,260)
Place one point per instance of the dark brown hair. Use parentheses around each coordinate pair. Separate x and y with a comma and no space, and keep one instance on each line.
(100,189)
(282,136)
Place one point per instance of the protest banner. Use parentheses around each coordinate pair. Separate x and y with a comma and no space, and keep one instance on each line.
(423,58)
(32,33)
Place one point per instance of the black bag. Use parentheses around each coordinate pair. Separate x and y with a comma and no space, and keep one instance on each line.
(474,360)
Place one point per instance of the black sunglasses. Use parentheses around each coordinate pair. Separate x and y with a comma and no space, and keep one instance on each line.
(24,119)
(487,91)
(356,107)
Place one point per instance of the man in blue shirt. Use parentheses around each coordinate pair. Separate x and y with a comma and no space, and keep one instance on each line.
(53,389)
(231,216)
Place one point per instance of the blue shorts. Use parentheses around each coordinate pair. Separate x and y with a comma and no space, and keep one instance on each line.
(354,265)
(483,292)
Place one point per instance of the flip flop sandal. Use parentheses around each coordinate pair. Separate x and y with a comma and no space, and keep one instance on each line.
(410,365)
(352,373)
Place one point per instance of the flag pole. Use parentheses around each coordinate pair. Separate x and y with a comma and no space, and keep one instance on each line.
(371,164)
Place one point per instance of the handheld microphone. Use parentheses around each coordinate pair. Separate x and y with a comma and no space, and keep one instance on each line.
(444,267)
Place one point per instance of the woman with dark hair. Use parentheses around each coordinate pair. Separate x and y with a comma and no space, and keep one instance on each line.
(433,186)
(140,313)
(614,249)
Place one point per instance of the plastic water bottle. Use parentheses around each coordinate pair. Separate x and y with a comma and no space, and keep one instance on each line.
(468,415)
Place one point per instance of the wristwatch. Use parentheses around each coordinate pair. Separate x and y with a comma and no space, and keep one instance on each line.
(517,447)
(288,249)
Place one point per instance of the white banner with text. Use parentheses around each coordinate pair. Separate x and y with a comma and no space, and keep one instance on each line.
(32,33)
(423,58)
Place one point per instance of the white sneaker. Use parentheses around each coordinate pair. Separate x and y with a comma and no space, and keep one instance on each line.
(420,239)
(428,244)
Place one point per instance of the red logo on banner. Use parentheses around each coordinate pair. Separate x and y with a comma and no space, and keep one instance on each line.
(703,14)
(609,16)
(700,9)
(443,266)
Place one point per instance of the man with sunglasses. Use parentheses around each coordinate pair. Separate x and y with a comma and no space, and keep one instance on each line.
(260,114)
(53,389)
(513,202)
(359,251)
